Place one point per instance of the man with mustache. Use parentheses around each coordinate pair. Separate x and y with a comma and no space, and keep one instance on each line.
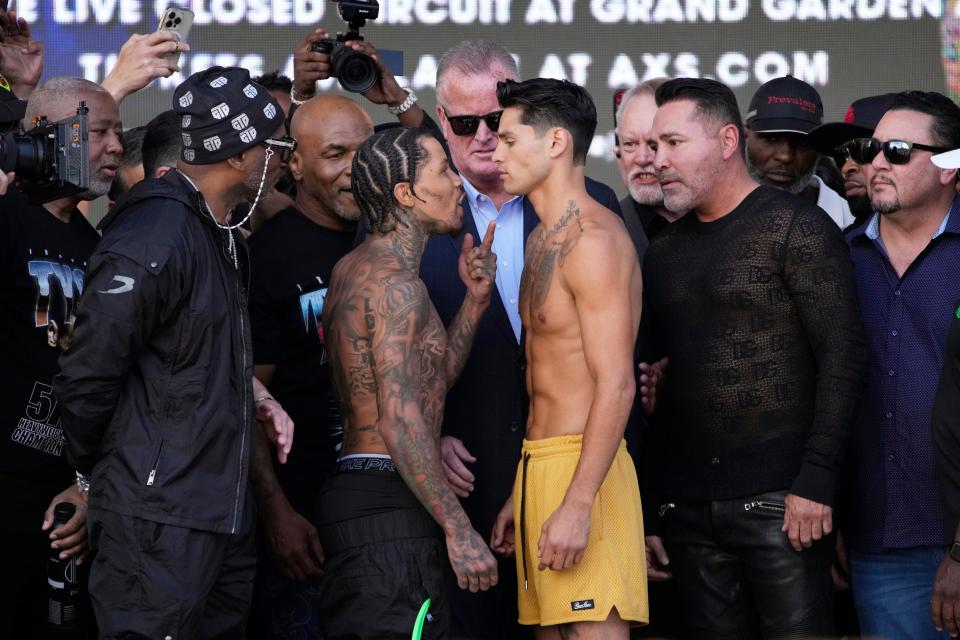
(43,254)
(840,140)
(643,210)
(906,259)
(752,298)
(782,113)
(392,362)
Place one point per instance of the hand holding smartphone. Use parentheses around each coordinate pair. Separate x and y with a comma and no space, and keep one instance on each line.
(178,21)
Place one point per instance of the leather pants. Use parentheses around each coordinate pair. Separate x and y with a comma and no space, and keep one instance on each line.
(738,576)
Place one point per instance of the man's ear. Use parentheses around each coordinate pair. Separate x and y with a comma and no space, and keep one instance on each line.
(729,141)
(403,194)
(239,162)
(948,176)
(296,166)
(162,171)
(560,141)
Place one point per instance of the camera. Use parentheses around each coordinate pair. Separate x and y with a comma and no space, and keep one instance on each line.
(51,159)
(355,71)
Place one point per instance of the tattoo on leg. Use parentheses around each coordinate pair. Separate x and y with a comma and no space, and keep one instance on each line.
(568,630)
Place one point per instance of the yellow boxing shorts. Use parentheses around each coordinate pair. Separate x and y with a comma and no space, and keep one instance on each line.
(613,570)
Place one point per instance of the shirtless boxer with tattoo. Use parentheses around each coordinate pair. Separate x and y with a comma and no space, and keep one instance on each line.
(392,363)
(576,503)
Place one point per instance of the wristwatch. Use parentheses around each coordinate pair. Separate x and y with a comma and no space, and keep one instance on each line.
(404,106)
(955,551)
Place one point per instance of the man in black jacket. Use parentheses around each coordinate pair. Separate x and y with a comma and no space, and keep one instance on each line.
(157,393)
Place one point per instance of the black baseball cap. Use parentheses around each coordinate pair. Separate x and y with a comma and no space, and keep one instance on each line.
(11,108)
(785,105)
(861,119)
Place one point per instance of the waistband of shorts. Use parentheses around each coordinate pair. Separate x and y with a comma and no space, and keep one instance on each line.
(559,445)
(375,463)
(389,526)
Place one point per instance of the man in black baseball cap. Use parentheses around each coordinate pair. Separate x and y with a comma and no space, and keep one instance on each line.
(840,140)
(782,113)
(157,391)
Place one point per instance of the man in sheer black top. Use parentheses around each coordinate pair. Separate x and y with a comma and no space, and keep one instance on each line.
(753,301)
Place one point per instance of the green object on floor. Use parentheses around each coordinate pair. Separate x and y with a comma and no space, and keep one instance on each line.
(421,618)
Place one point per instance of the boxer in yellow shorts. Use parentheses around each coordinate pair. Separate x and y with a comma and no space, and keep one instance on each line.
(613,571)
(574,519)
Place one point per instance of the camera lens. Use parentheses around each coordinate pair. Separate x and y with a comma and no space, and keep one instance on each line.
(356,71)
(23,154)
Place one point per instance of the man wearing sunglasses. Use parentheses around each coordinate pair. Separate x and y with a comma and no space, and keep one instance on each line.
(782,113)
(157,391)
(906,260)
(841,140)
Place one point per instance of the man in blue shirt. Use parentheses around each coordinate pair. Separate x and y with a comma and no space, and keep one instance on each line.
(906,260)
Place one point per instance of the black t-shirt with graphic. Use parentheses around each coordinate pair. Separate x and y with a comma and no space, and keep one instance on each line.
(292,258)
(42,261)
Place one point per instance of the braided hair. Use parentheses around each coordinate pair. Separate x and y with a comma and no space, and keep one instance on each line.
(383,161)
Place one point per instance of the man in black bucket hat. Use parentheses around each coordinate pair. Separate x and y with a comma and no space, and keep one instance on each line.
(157,393)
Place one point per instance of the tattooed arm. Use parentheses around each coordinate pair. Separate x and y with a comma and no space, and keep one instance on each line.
(478,270)
(400,323)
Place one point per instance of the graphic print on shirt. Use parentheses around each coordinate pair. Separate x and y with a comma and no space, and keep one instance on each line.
(40,428)
(58,287)
(311,309)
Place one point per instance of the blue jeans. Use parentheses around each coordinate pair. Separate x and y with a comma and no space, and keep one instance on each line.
(892,591)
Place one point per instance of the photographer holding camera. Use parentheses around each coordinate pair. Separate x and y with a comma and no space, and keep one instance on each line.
(43,253)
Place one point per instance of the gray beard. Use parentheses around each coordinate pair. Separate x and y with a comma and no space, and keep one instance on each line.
(795,187)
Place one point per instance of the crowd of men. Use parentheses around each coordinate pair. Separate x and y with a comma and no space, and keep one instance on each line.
(314,377)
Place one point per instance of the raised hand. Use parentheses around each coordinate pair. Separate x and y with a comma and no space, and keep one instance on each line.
(309,66)
(142,60)
(478,266)
(21,57)
(471,559)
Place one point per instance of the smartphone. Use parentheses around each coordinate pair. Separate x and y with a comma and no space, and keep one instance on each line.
(179,22)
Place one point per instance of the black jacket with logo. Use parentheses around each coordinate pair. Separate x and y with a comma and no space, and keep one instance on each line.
(155,391)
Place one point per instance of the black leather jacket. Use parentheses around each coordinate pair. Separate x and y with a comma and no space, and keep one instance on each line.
(156,389)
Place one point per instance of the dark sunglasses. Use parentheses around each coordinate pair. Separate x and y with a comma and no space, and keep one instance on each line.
(895,151)
(468,125)
(287,146)
(849,149)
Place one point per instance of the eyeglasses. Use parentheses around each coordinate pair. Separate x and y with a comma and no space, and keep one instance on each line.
(895,151)
(286,144)
(468,125)
(849,149)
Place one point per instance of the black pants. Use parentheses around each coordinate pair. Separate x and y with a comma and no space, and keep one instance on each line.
(739,578)
(152,580)
(384,558)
